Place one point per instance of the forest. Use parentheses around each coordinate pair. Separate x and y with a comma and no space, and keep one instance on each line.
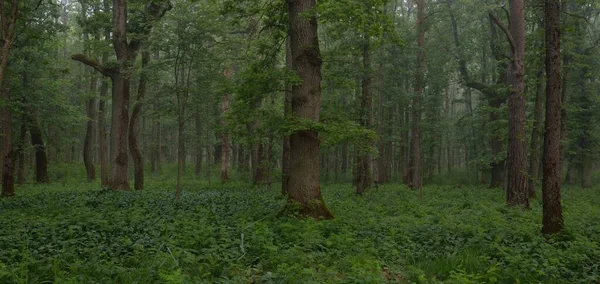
(300,141)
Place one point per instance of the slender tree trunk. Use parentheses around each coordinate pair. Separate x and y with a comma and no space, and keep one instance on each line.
(552,217)
(199,157)
(102,135)
(134,126)
(536,135)
(516,192)
(226,144)
(21,154)
(365,162)
(180,157)
(88,144)
(285,156)
(304,190)
(416,164)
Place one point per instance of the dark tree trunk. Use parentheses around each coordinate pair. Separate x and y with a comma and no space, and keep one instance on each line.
(21,154)
(536,135)
(365,163)
(285,156)
(41,159)
(304,191)
(134,127)
(552,218)
(199,157)
(516,190)
(415,168)
(88,144)
(102,135)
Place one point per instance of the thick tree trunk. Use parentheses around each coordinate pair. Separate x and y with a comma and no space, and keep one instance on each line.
(536,135)
(134,127)
(365,163)
(552,217)
(304,191)
(516,191)
(416,164)
(88,144)
(41,159)
(119,151)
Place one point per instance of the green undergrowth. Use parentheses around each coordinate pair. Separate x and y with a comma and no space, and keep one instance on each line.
(74,233)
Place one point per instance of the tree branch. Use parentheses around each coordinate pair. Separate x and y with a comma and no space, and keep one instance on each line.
(509,37)
(94,64)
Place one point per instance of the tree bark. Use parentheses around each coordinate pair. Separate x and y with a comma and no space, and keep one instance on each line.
(8,22)
(287,105)
(516,191)
(41,159)
(552,221)
(134,126)
(198,168)
(88,144)
(536,135)
(365,162)
(225,142)
(21,154)
(304,191)
(415,167)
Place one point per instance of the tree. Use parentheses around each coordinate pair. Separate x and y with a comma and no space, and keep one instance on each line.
(134,126)
(552,217)
(415,168)
(516,187)
(304,190)
(9,17)
(126,50)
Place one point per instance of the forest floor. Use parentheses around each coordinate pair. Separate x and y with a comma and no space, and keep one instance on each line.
(74,233)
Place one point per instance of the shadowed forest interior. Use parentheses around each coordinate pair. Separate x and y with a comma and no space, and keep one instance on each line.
(300,141)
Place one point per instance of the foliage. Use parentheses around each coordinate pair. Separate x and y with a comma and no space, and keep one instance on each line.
(72,233)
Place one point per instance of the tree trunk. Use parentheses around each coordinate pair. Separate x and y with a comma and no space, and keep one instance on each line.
(516,192)
(365,163)
(199,157)
(226,144)
(102,136)
(134,127)
(287,110)
(119,151)
(41,159)
(9,19)
(552,217)
(304,191)
(180,129)
(21,154)
(536,135)
(88,144)
(586,172)
(416,164)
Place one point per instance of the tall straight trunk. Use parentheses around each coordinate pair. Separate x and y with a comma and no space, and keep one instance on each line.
(287,110)
(225,143)
(9,20)
(41,159)
(552,221)
(88,144)
(516,191)
(180,157)
(416,164)
(536,135)
(586,171)
(21,154)
(102,135)
(119,151)
(199,157)
(304,191)
(365,163)
(134,126)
